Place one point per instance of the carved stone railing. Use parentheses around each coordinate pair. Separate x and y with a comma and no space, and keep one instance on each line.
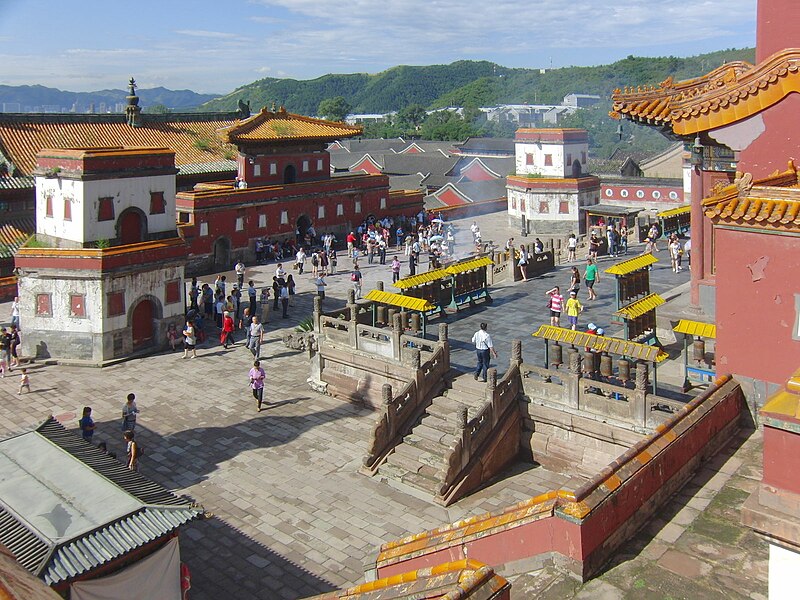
(475,435)
(399,413)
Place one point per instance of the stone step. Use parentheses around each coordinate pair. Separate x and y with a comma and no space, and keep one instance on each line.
(419,457)
(446,426)
(390,471)
(467,385)
(431,448)
(445,407)
(401,460)
(426,484)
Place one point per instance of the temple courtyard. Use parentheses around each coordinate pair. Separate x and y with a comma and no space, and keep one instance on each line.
(289,514)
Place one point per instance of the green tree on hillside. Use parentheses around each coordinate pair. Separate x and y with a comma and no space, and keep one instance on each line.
(411,116)
(334,109)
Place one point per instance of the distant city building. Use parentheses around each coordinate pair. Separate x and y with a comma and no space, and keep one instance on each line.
(580,100)
(12,107)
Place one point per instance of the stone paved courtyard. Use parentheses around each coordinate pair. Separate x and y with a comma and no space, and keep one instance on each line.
(292,516)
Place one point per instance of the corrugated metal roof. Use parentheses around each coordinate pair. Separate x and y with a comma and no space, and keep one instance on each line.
(632,264)
(156,513)
(16,183)
(706,330)
(602,343)
(640,307)
(674,211)
(217,166)
(409,302)
(407,282)
(469,265)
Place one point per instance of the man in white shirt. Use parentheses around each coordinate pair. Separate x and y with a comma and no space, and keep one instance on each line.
(483,348)
(256,331)
(320,281)
(280,272)
(240,270)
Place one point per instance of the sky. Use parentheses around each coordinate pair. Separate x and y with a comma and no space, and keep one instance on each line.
(217,46)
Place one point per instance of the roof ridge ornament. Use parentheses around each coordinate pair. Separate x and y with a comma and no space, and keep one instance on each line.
(744,183)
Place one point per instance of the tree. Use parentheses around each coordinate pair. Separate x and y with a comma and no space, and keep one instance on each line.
(412,115)
(157,109)
(334,109)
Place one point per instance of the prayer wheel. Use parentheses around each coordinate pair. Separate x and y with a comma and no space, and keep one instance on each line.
(381,315)
(624,370)
(558,354)
(699,350)
(415,322)
(589,362)
(606,366)
(390,315)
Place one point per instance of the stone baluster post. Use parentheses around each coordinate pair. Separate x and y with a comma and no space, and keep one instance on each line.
(397,331)
(353,307)
(573,380)
(386,401)
(516,353)
(640,409)
(316,313)
(491,393)
(379,286)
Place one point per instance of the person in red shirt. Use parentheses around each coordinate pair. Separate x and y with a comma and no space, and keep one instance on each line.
(555,304)
(351,242)
(226,337)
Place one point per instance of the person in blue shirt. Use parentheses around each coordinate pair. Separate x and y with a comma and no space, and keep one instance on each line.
(87,424)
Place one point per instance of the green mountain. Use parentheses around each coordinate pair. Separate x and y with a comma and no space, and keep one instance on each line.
(468,83)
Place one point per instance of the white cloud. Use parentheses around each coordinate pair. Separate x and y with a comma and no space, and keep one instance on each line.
(222,35)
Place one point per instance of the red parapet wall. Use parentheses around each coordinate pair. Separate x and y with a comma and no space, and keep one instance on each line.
(586,526)
(8,287)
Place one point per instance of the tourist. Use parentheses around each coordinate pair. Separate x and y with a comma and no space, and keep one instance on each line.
(574,280)
(219,309)
(7,339)
(226,336)
(257,376)
(591,276)
(259,247)
(572,246)
(15,312)
(189,339)
(255,336)
(538,246)
(320,283)
(87,424)
(594,246)
(251,296)
(412,264)
(675,253)
(382,251)
(3,353)
(573,308)
(523,262)
(356,278)
(653,234)
(622,244)
(351,243)
(555,305)
(208,300)
(284,296)
(333,260)
(314,264)
(395,266)
(687,248)
(371,247)
(280,272)
(194,294)
(132,450)
(277,284)
(483,348)
(291,285)
(129,412)
(323,261)
(24,382)
(240,270)
(244,323)
(264,297)
(172,336)
(300,261)
(14,343)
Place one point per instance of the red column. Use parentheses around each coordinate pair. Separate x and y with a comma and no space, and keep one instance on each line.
(698,236)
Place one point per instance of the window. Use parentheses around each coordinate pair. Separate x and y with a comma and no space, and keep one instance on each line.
(569,159)
(262,221)
(623,193)
(305,166)
(339,209)
(640,193)
(256,170)
(172,291)
(320,164)
(273,168)
(184,217)
(115,301)
(68,209)
(583,158)
(544,207)
(43,305)
(513,203)
(656,195)
(48,209)
(548,160)
(320,212)
(105,209)
(529,159)
(77,305)
(609,192)
(358,206)
(157,204)
(563,207)
(673,195)
(284,217)
(522,205)
(383,202)
(239,223)
(203,229)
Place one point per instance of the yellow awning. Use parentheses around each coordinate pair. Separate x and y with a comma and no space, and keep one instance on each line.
(706,330)
(674,212)
(408,282)
(632,264)
(640,307)
(602,343)
(407,302)
(469,265)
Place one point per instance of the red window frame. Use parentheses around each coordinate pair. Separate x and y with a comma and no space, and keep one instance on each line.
(105,209)
(115,301)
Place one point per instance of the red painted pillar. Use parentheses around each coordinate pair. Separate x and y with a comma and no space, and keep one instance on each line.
(698,236)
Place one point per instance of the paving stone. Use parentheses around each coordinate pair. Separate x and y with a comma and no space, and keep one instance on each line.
(684,564)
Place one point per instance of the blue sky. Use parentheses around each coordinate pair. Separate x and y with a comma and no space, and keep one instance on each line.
(215,47)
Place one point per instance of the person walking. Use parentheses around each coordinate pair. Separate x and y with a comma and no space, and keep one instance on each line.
(556,304)
(15,312)
(240,270)
(591,276)
(412,264)
(574,280)
(332,259)
(226,336)
(572,246)
(523,262)
(573,309)
(284,294)
(356,278)
(264,304)
(675,253)
(300,260)
(87,424)
(24,381)
(251,296)
(483,348)
(189,339)
(277,284)
(257,376)
(395,266)
(290,285)
(320,282)
(255,336)
(132,450)
(129,412)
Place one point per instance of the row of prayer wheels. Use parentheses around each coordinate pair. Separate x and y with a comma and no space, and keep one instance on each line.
(384,315)
(593,362)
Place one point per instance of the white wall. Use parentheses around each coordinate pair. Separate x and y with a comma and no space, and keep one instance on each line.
(558,153)
(784,565)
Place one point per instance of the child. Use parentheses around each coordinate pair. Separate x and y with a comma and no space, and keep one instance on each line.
(87,424)
(24,382)
(132,450)
(172,336)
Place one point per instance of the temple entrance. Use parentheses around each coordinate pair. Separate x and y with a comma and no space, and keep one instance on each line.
(131,227)
(289,174)
(576,168)
(221,256)
(142,324)
(303,223)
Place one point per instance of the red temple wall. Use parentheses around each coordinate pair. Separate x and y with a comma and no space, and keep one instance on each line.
(756,304)
(776,27)
(781,459)
(779,143)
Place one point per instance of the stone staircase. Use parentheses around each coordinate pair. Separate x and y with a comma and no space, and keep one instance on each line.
(420,461)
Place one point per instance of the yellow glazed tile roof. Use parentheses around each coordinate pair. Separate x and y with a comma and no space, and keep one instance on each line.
(786,402)
(632,264)
(706,330)
(640,307)
(672,212)
(469,265)
(407,282)
(729,93)
(771,203)
(281,125)
(399,300)
(601,343)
